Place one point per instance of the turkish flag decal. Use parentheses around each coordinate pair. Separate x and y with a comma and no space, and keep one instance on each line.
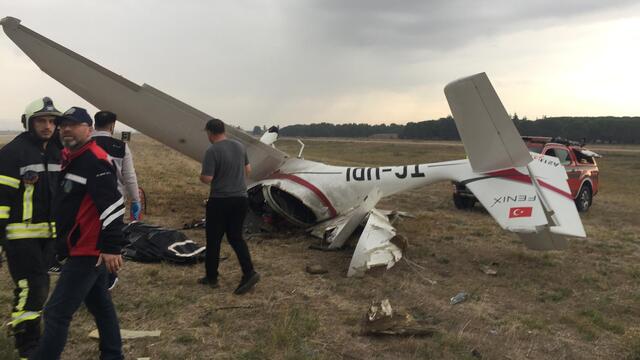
(517,212)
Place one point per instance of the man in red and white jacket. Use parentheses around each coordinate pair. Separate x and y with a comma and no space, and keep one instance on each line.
(89,210)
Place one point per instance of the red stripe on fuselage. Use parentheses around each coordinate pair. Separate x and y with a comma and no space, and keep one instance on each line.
(515,175)
(325,201)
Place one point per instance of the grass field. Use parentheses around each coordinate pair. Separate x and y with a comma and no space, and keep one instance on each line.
(582,303)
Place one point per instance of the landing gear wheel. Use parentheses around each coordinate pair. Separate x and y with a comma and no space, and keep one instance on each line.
(583,201)
(463,202)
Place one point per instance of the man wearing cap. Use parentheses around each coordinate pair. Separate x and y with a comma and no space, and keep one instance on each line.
(29,168)
(89,210)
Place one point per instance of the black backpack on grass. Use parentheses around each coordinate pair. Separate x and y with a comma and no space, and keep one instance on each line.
(150,243)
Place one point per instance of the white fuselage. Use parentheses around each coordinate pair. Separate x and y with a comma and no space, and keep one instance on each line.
(333,190)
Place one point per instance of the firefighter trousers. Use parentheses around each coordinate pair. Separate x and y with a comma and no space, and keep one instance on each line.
(28,260)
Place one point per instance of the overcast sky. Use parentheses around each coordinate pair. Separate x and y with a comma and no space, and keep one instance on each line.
(376,61)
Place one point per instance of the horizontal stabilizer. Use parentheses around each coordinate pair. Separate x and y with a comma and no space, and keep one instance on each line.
(490,138)
(541,215)
(556,196)
(514,204)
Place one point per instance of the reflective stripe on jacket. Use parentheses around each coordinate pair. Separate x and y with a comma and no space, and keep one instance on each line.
(28,181)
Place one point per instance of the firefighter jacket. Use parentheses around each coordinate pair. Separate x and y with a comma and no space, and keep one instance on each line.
(28,182)
(88,206)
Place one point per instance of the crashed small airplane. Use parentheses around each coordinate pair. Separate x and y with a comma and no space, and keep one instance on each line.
(332,201)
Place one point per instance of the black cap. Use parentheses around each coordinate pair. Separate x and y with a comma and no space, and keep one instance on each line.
(75,114)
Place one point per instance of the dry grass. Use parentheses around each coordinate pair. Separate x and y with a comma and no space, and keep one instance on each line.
(578,304)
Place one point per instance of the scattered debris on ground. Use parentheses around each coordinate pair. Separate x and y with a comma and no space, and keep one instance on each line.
(381,319)
(129,334)
(488,270)
(460,297)
(316,269)
(195,224)
(234,307)
(417,268)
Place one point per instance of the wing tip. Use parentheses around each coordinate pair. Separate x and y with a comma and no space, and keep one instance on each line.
(9,22)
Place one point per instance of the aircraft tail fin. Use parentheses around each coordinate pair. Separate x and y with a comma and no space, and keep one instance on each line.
(490,138)
(525,195)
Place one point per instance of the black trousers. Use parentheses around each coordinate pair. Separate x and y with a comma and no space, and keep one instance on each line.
(80,281)
(226,216)
(28,260)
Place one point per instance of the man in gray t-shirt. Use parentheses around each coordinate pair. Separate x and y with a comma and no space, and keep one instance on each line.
(221,159)
(224,166)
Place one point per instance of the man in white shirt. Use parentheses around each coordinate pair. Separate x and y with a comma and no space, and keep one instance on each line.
(105,122)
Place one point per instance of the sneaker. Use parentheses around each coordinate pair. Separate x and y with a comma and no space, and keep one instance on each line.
(247,283)
(55,270)
(112,281)
(206,281)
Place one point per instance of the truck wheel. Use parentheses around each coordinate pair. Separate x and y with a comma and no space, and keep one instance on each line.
(462,202)
(583,201)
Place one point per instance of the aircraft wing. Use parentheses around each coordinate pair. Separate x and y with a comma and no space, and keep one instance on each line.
(144,108)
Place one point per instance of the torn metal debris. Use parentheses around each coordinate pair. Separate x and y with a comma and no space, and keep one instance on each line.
(460,297)
(381,319)
(375,247)
(129,334)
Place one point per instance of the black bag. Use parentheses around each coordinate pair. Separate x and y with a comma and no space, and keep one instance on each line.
(150,243)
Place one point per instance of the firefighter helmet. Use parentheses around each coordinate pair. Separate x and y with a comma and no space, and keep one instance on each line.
(40,107)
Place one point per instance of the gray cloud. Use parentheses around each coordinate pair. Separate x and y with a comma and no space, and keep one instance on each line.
(415,24)
(249,60)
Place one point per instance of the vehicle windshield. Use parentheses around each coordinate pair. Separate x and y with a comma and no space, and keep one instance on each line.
(535,148)
(582,159)
(561,154)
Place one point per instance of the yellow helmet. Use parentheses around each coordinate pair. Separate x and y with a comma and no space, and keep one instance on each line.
(39,107)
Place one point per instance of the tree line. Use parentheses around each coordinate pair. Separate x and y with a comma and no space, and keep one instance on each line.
(606,129)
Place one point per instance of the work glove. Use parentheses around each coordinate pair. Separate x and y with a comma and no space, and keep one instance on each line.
(135,210)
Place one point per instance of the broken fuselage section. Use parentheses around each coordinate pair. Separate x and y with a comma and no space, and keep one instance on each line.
(331,202)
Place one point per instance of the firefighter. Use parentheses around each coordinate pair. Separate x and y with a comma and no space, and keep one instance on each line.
(29,168)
